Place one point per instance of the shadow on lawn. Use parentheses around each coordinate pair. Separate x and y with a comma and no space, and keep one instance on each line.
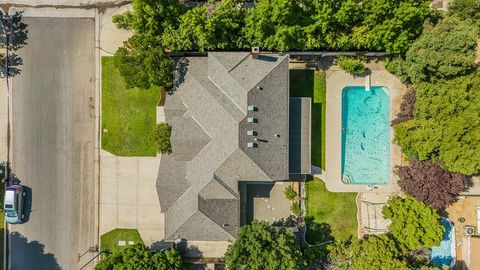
(317,232)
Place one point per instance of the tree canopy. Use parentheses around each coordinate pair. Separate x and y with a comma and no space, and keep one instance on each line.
(371,252)
(431,184)
(446,126)
(390,25)
(413,224)
(142,62)
(137,257)
(263,246)
(445,50)
(465,9)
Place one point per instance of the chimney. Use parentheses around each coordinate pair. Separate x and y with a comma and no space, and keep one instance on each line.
(255,52)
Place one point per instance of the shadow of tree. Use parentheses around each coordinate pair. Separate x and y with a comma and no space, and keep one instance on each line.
(317,232)
(13,36)
(34,251)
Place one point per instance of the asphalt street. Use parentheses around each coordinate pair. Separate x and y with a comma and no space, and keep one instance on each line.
(53,144)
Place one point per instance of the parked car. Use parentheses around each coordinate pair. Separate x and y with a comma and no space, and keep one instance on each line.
(13,204)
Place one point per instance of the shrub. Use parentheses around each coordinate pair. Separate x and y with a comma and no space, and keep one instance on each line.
(161,138)
(414,224)
(290,193)
(352,66)
(431,184)
(295,208)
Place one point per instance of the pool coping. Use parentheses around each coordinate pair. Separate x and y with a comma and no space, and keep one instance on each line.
(336,80)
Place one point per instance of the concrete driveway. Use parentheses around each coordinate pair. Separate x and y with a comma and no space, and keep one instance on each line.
(129,198)
(53,144)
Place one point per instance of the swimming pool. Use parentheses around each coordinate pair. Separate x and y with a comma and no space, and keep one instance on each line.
(365,135)
(445,253)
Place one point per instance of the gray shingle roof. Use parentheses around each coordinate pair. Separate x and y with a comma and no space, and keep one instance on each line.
(198,182)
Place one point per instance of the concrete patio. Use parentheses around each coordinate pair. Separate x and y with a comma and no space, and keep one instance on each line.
(337,79)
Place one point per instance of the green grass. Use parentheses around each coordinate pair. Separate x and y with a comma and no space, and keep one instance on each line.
(329,213)
(129,115)
(109,241)
(311,83)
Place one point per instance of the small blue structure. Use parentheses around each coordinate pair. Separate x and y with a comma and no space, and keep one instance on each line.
(445,253)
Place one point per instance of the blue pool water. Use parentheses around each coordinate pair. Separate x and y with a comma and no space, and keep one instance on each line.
(365,135)
(443,254)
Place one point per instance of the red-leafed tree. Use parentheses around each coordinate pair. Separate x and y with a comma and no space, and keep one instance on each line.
(407,107)
(431,184)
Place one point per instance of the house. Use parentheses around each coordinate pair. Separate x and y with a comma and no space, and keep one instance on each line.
(230,127)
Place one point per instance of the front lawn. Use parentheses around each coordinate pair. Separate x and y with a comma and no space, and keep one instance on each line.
(329,213)
(311,83)
(109,241)
(128,115)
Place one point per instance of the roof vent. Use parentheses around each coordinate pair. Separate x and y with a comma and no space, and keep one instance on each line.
(251,132)
(255,52)
(259,87)
(252,108)
(252,120)
(251,145)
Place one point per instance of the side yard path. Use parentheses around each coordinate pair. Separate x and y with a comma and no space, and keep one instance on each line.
(311,83)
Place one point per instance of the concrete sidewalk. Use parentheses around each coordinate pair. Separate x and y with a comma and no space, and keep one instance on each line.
(3,120)
(129,197)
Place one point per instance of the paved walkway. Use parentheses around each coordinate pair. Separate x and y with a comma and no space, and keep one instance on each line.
(129,197)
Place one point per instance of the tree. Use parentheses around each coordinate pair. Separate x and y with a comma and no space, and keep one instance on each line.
(263,246)
(407,107)
(138,257)
(142,62)
(446,127)
(150,17)
(371,252)
(161,135)
(445,50)
(352,66)
(390,25)
(431,184)
(209,26)
(465,9)
(277,24)
(13,36)
(413,224)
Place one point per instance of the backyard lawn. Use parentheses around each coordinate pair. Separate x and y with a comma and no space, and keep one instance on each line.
(329,212)
(311,83)
(128,115)
(109,241)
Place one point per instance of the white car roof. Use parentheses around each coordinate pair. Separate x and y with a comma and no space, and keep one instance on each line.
(9,196)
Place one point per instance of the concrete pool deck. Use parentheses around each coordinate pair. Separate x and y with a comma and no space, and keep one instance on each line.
(336,80)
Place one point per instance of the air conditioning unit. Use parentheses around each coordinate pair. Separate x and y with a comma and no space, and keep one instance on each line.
(469,230)
(252,108)
(251,120)
(251,145)
(251,133)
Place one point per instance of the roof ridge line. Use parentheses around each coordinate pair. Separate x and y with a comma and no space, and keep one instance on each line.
(237,64)
(220,181)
